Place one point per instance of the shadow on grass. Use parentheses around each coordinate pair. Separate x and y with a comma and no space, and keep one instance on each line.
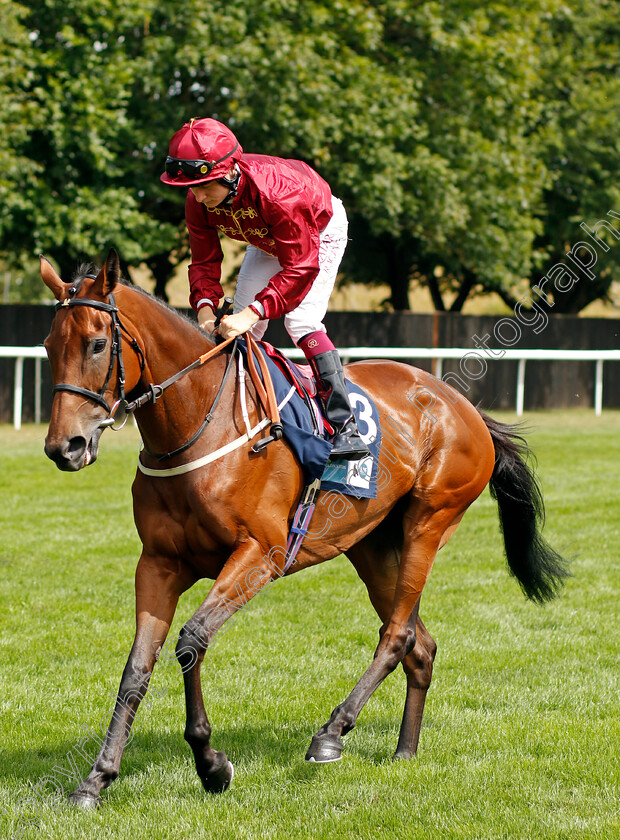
(247,744)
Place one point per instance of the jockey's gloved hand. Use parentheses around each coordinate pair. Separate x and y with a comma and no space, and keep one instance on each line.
(232,326)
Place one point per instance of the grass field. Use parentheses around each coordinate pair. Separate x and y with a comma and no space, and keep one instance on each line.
(521,732)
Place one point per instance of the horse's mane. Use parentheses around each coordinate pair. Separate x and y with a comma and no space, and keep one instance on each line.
(84,269)
(159,302)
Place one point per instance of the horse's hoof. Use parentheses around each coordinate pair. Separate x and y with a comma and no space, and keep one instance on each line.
(403,755)
(220,780)
(86,801)
(325,748)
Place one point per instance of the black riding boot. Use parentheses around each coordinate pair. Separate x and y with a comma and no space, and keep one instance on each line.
(333,392)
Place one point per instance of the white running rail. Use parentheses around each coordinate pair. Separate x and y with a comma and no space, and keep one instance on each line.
(348,354)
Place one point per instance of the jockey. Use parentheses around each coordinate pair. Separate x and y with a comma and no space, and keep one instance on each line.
(296,233)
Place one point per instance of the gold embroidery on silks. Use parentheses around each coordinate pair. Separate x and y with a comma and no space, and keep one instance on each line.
(228,231)
(246,213)
(239,232)
(242,213)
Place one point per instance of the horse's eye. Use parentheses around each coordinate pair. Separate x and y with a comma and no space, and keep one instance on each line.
(99,345)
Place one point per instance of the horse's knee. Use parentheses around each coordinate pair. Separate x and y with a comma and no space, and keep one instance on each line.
(432,648)
(134,683)
(396,644)
(190,647)
(382,630)
(418,664)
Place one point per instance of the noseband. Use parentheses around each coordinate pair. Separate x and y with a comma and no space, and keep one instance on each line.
(154,392)
(116,353)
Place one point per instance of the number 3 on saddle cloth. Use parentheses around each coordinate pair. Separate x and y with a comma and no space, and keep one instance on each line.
(304,426)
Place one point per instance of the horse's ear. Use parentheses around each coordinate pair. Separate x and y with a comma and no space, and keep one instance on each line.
(52,280)
(109,275)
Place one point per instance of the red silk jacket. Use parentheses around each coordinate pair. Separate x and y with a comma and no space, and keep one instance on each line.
(281,207)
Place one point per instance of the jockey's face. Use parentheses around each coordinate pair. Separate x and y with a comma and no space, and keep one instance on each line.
(210,194)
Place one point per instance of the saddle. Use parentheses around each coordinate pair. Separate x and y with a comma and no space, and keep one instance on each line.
(299,376)
(307,431)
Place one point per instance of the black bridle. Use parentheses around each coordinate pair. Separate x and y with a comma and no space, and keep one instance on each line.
(116,352)
(154,392)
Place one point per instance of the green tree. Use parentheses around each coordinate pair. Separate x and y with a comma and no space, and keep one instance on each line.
(469,188)
(519,115)
(86,168)
(445,127)
(580,129)
(18,116)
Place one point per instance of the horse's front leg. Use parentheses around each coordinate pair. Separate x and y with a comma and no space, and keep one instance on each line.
(159,583)
(246,572)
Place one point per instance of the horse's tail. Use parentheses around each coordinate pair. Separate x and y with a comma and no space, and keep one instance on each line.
(539,569)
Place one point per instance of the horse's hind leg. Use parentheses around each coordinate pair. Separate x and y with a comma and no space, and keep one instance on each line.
(418,666)
(377,565)
(425,526)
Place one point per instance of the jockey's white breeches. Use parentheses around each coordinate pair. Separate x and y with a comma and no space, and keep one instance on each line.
(258,268)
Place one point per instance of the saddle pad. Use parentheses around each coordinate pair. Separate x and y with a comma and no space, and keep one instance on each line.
(311,450)
(353,478)
(358,478)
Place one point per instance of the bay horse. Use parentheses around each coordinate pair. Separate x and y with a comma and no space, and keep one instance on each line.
(229,519)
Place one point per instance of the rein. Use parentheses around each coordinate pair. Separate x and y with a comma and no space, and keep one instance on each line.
(155,391)
(262,383)
(260,377)
(209,415)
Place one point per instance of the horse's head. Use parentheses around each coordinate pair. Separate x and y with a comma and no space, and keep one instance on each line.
(85,352)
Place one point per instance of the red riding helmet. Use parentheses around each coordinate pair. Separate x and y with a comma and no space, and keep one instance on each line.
(203,150)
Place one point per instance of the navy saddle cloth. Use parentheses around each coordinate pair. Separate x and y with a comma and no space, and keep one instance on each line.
(356,478)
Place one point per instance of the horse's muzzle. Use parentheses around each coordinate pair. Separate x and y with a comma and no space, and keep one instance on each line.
(71,454)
